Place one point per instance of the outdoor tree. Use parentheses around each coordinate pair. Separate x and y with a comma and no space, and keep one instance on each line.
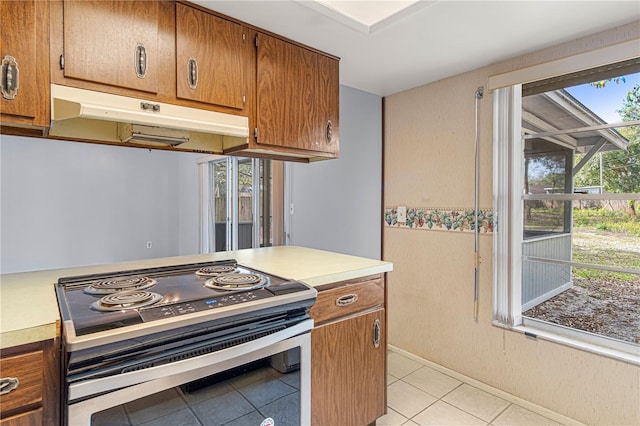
(621,168)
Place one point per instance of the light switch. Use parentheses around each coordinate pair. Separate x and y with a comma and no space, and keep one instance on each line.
(402,214)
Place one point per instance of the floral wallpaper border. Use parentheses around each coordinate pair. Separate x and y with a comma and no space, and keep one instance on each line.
(440,219)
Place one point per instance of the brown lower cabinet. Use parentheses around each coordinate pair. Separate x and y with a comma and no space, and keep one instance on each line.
(348,355)
(36,399)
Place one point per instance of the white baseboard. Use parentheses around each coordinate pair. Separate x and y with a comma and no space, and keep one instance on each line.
(490,389)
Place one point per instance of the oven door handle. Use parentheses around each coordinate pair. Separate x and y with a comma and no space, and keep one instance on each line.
(105,384)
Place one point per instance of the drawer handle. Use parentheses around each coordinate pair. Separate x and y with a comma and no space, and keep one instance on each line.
(8,384)
(346,300)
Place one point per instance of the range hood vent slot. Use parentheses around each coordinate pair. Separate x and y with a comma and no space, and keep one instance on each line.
(155,135)
(168,140)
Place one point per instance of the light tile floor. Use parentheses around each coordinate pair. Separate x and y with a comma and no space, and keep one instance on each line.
(420,395)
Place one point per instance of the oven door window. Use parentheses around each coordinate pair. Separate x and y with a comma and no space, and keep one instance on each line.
(266,392)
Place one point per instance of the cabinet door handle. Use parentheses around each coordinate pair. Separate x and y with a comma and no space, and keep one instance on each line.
(329,131)
(376,333)
(141,60)
(346,300)
(192,73)
(8,384)
(10,77)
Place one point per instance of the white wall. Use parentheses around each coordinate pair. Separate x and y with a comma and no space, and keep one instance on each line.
(337,203)
(69,204)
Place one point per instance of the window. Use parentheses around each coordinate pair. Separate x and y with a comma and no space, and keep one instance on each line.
(241,203)
(566,191)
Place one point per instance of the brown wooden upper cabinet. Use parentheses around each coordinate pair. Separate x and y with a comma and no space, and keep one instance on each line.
(183,54)
(297,97)
(112,42)
(24,48)
(212,58)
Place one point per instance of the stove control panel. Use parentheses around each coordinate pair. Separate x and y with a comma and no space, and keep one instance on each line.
(219,301)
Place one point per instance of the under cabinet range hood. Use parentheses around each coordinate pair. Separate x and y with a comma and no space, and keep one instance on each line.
(80,114)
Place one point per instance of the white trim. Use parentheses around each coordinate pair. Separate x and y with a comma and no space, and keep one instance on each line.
(546,237)
(203,179)
(500,208)
(209,158)
(232,203)
(570,197)
(288,202)
(548,295)
(507,175)
(578,339)
(580,265)
(606,55)
(255,202)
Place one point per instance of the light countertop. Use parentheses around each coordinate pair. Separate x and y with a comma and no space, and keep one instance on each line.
(29,309)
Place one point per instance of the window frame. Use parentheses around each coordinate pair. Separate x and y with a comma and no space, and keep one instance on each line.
(508,181)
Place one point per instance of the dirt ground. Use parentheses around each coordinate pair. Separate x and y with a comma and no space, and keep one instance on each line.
(601,307)
(609,308)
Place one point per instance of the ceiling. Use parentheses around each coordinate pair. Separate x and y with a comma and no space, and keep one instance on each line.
(429,40)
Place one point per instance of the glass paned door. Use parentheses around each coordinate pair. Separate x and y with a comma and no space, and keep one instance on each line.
(239,196)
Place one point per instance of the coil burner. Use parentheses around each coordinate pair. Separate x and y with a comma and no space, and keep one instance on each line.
(215,270)
(126,300)
(118,284)
(237,282)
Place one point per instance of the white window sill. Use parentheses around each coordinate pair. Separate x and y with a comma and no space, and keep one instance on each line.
(600,345)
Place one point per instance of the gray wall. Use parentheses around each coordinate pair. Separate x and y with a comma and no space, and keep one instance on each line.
(337,203)
(69,204)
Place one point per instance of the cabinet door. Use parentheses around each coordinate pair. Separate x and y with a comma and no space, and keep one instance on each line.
(297,96)
(211,59)
(328,104)
(112,42)
(25,70)
(348,371)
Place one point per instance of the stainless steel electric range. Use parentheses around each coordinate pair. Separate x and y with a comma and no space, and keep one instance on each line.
(138,334)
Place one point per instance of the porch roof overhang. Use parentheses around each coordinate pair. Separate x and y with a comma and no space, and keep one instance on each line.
(549,112)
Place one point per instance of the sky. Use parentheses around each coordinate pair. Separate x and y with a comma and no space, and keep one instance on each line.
(605,101)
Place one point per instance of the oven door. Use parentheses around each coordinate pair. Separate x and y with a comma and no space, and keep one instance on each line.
(237,385)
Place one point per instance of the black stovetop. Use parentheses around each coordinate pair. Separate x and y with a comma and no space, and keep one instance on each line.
(183,292)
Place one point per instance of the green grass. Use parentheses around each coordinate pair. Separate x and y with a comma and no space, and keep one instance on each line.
(607,225)
(605,232)
(608,231)
(607,220)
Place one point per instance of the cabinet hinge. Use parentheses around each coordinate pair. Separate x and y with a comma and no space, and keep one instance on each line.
(255,133)
(256,41)
(61,62)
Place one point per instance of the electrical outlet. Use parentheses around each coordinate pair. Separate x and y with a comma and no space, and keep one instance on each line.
(149,244)
(402,214)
